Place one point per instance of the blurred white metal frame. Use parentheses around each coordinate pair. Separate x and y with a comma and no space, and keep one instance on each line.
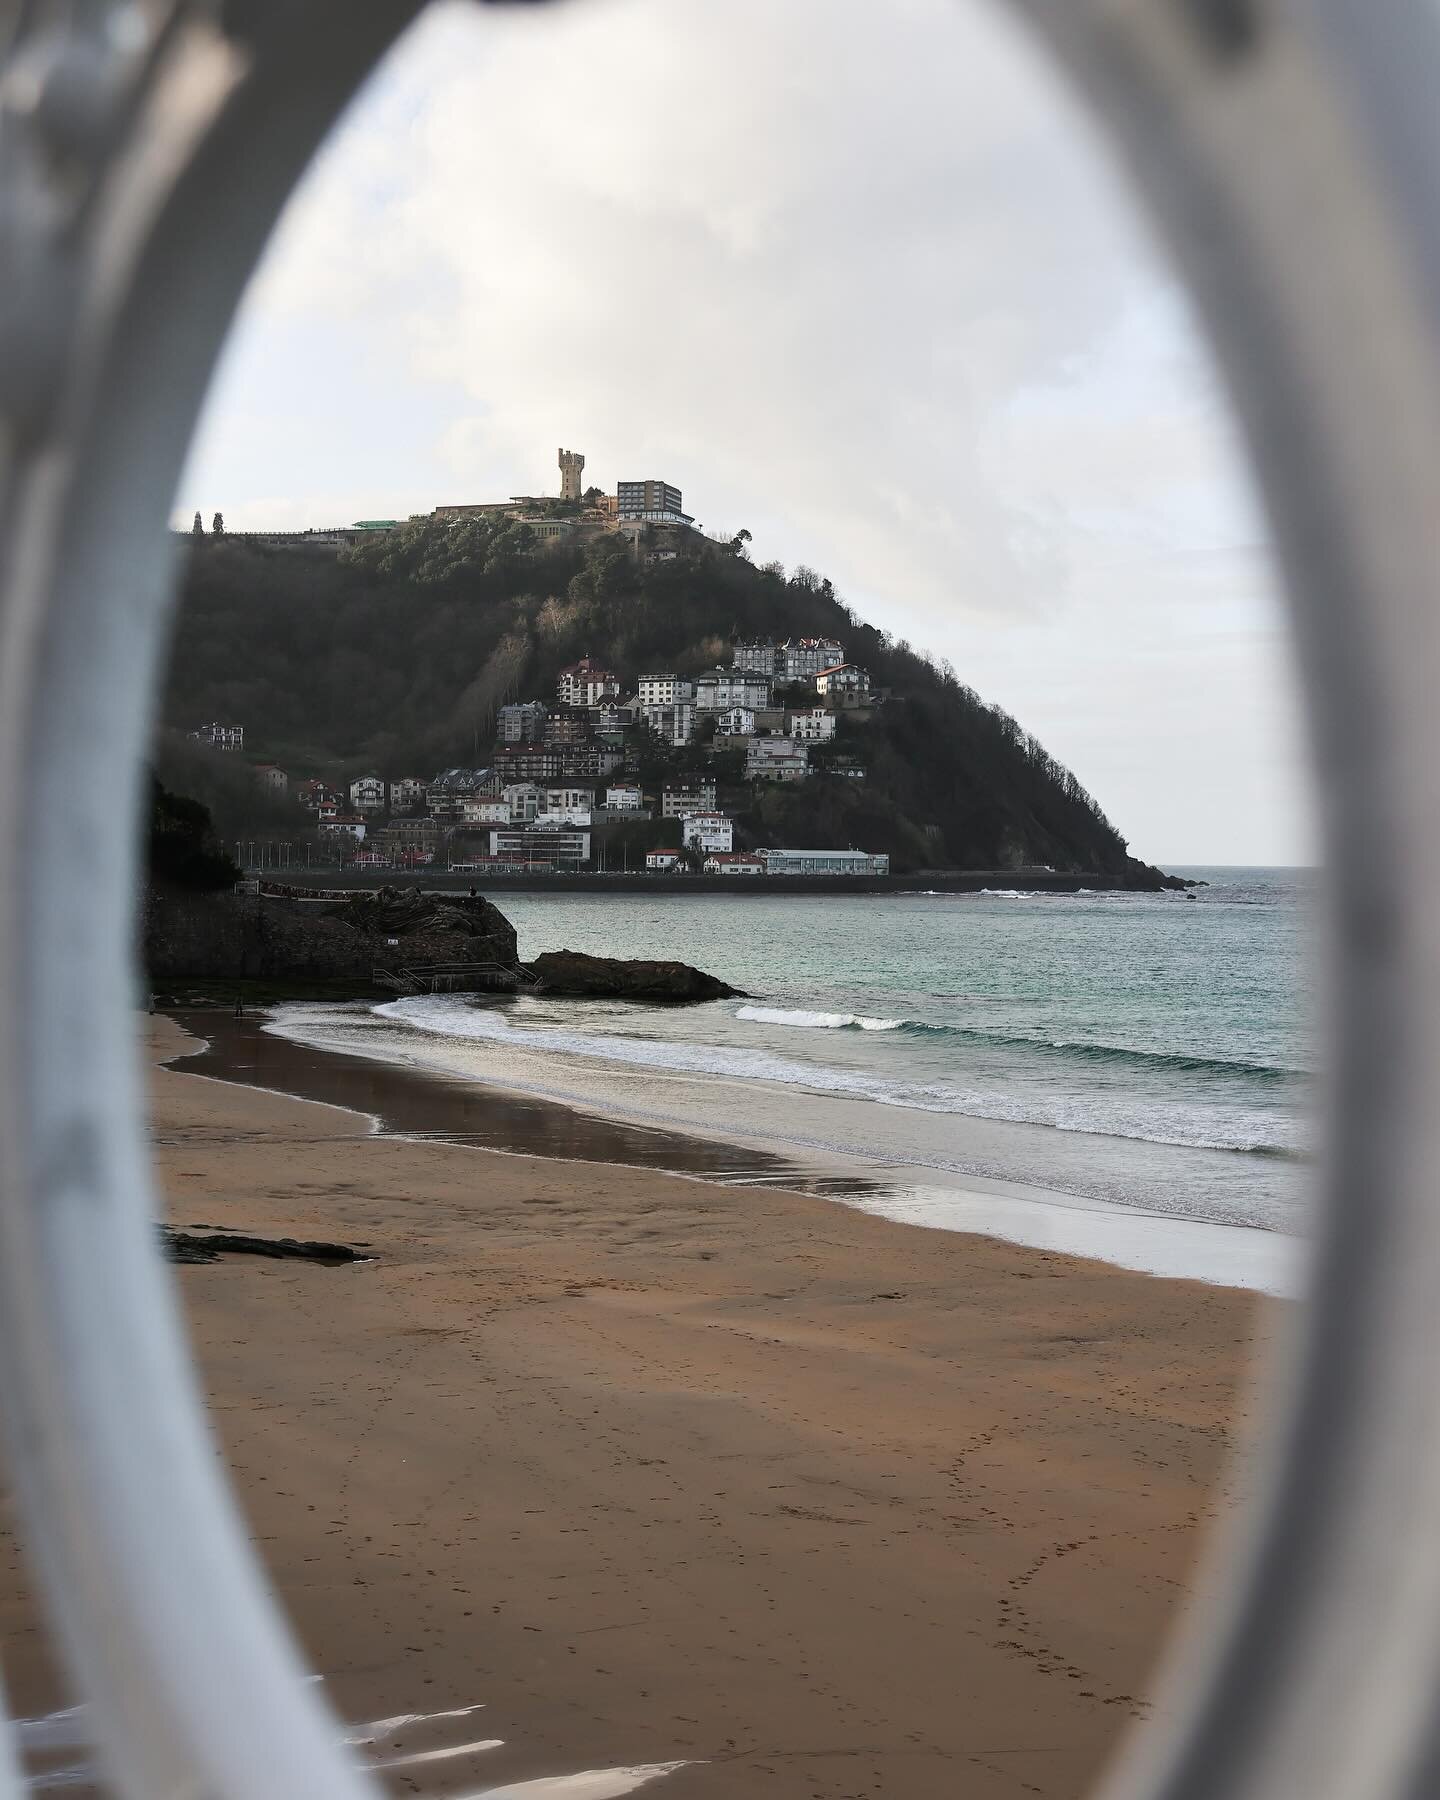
(1291,152)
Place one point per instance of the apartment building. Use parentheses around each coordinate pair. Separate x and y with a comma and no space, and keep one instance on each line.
(663,690)
(802,659)
(709,833)
(755,655)
(718,690)
(776,759)
(522,722)
(586,684)
(679,802)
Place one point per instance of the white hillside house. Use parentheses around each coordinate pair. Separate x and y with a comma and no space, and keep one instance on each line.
(815,726)
(709,833)
(843,682)
(368,794)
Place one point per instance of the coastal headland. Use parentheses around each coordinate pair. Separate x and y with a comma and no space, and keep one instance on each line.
(660,1470)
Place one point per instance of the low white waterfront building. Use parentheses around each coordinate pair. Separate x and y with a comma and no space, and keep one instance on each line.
(555,846)
(825,862)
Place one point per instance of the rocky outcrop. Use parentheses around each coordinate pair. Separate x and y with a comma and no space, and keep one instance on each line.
(281,935)
(613,978)
(192,1247)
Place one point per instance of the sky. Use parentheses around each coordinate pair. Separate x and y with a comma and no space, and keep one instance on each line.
(860,278)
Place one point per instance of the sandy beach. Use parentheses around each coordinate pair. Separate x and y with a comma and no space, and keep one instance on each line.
(656,1470)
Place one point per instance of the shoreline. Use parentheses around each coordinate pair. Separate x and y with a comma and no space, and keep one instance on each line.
(637,881)
(505,1114)
(727,1482)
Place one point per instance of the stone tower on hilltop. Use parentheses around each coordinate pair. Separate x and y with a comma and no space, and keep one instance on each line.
(571,463)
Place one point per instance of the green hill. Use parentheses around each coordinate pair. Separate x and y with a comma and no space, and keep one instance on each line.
(396,657)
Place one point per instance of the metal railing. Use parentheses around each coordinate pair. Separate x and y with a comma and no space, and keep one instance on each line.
(1290,149)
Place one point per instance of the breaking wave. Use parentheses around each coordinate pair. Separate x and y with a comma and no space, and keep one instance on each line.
(818,1021)
(1067,1048)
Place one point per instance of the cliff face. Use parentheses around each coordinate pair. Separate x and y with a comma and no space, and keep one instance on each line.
(189,937)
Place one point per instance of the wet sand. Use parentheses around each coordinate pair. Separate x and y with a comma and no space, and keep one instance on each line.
(666,1470)
(431,1104)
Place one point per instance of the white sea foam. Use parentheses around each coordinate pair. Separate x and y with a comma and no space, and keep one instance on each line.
(816,1021)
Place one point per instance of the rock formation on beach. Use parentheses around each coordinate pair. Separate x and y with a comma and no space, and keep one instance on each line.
(570,972)
(280,936)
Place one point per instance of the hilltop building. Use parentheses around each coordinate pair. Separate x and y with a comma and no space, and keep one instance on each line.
(572,462)
(652,501)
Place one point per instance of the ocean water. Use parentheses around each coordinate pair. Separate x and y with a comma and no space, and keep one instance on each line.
(1145,1052)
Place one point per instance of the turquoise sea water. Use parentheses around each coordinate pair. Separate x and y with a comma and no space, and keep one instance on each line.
(1152,1051)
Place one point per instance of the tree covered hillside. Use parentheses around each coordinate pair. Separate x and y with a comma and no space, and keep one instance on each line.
(396,657)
